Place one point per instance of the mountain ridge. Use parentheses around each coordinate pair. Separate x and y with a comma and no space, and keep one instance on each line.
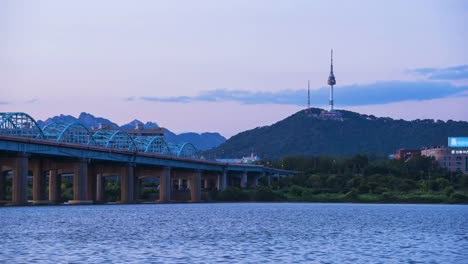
(300,134)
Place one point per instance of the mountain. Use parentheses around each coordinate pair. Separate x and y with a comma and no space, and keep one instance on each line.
(88,120)
(203,141)
(300,134)
(91,121)
(133,124)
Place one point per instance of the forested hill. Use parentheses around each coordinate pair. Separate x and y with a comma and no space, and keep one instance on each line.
(300,134)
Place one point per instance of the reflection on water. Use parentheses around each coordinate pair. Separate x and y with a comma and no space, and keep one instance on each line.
(250,232)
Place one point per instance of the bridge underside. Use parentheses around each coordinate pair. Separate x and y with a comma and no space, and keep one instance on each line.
(46,175)
(49,157)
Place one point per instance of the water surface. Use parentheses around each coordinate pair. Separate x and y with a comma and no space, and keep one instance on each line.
(235,233)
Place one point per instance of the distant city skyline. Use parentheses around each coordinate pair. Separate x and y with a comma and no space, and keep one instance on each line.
(230,66)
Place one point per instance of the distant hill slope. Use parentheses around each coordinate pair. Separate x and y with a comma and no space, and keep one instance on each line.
(201,141)
(303,135)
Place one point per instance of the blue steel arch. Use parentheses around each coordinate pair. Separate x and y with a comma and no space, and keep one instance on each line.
(68,132)
(113,139)
(185,150)
(153,144)
(19,124)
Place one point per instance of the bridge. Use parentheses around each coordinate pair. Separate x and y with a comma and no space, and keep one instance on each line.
(58,150)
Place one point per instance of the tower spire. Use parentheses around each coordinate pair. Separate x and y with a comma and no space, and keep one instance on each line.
(331,81)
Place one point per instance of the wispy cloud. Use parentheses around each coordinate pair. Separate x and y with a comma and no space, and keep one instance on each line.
(451,73)
(354,95)
(32,101)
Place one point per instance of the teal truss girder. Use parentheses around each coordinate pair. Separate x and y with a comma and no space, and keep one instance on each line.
(153,144)
(113,139)
(19,124)
(185,150)
(70,133)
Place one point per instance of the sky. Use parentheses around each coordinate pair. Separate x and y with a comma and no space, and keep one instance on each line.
(229,66)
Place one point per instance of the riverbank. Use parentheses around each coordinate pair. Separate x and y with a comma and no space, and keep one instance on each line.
(265,194)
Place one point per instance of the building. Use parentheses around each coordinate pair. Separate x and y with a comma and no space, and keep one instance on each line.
(454,159)
(405,154)
(145,132)
(138,131)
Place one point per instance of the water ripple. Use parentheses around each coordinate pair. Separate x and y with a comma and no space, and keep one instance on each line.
(235,233)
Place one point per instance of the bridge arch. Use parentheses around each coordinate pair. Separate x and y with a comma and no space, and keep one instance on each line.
(113,139)
(187,150)
(154,144)
(19,124)
(68,132)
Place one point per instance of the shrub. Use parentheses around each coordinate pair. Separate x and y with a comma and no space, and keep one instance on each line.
(232,194)
(449,191)
(352,195)
(296,190)
(458,198)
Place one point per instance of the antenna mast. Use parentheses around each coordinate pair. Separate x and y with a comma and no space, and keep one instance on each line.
(308,97)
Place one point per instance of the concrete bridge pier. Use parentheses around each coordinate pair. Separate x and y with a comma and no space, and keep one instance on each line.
(100,189)
(20,181)
(126,184)
(91,191)
(39,183)
(165,185)
(222,181)
(244,180)
(254,183)
(2,184)
(195,186)
(136,187)
(80,178)
(55,182)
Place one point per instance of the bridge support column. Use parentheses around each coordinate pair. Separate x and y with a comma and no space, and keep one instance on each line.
(136,187)
(91,184)
(100,194)
(165,185)
(20,181)
(195,187)
(126,185)
(269,180)
(244,180)
(55,183)
(256,178)
(222,181)
(38,184)
(2,185)
(255,181)
(80,178)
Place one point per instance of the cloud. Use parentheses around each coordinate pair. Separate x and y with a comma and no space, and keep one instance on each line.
(32,101)
(354,95)
(4,103)
(451,73)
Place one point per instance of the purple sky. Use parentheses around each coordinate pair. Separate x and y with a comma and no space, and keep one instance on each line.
(229,66)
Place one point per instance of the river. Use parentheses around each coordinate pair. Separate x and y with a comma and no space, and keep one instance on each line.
(235,233)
